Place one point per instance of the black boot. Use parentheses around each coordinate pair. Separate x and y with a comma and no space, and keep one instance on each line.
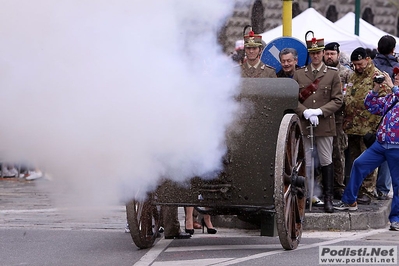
(328,187)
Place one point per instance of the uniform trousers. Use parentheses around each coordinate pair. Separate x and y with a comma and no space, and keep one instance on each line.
(356,147)
(324,150)
(340,144)
(170,220)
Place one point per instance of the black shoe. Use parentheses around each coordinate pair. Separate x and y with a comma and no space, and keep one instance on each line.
(208,230)
(382,196)
(189,231)
(363,199)
(181,235)
(328,204)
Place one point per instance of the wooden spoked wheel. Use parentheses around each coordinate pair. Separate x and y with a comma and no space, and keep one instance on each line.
(290,182)
(144,220)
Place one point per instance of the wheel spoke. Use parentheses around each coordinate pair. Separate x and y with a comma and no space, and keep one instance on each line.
(295,153)
(288,207)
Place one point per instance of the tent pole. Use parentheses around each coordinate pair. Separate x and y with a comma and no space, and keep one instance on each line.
(357,16)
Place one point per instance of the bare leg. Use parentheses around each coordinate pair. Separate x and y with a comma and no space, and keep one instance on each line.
(207,220)
(189,217)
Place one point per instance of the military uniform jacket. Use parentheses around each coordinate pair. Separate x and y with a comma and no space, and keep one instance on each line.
(328,98)
(344,74)
(262,71)
(357,119)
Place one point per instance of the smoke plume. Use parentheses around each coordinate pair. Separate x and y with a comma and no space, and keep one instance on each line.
(110,96)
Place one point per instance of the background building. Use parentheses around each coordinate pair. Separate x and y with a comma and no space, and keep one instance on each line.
(264,15)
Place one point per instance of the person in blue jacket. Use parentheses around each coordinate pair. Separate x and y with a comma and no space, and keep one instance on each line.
(385,148)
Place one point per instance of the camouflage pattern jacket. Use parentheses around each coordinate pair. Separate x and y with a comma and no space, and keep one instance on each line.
(262,71)
(328,98)
(344,74)
(357,120)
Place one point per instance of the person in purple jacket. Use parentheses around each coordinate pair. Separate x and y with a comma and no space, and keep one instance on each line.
(386,147)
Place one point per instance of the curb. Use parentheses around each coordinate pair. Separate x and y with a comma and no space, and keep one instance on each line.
(373,216)
(366,217)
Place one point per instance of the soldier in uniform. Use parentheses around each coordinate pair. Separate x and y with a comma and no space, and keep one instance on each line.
(253,67)
(320,96)
(340,141)
(357,120)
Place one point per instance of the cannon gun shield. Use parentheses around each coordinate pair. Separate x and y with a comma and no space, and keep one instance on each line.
(264,170)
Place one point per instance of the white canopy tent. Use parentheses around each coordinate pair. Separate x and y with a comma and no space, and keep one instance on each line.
(310,19)
(366,30)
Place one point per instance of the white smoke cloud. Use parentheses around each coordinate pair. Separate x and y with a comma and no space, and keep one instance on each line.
(109,96)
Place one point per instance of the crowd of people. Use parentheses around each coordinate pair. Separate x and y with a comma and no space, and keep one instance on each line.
(343,100)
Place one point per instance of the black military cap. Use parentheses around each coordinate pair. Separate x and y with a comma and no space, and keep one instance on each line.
(332,46)
(358,54)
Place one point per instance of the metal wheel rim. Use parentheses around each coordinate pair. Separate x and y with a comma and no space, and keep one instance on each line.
(143,219)
(290,208)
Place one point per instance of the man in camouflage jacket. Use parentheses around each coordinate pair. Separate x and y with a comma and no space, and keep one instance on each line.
(340,142)
(357,120)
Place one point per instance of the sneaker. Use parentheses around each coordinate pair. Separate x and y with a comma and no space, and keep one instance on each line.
(13,171)
(342,206)
(317,202)
(8,173)
(32,175)
(394,226)
(127,229)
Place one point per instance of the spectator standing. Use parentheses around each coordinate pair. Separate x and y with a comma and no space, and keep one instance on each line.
(385,61)
(385,148)
(320,96)
(253,67)
(289,62)
(340,141)
(357,120)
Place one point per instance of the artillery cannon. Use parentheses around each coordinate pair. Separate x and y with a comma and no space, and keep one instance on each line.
(263,179)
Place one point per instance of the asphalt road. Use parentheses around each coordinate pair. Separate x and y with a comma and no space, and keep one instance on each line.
(33,231)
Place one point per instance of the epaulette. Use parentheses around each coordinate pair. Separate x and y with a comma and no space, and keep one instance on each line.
(334,68)
(264,65)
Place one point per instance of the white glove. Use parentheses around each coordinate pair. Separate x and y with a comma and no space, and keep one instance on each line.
(314,120)
(309,112)
(317,111)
